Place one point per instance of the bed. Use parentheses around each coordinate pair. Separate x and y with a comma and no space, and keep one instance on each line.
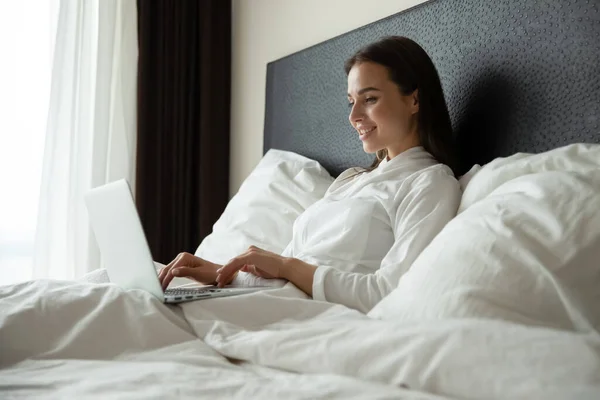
(502,304)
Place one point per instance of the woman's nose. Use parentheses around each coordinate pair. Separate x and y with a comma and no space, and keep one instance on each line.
(356,114)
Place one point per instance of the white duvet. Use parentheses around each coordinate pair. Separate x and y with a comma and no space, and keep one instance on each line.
(80,340)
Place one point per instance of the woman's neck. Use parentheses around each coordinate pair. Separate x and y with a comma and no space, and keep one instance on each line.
(408,143)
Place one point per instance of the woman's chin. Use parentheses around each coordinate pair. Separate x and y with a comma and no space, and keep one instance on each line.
(370,149)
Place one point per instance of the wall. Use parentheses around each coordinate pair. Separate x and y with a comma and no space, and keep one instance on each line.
(265,30)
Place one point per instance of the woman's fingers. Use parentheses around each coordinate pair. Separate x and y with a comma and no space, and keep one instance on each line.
(165,270)
(225,273)
(199,274)
(256,261)
(179,261)
(251,269)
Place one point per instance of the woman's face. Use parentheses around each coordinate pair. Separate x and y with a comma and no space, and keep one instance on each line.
(382,116)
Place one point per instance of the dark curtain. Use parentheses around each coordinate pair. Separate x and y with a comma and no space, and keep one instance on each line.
(182,176)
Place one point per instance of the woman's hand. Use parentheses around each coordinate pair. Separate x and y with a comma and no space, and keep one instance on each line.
(186,265)
(268,265)
(255,261)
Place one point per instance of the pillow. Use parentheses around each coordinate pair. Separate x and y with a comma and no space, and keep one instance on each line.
(524,248)
(263,211)
(575,157)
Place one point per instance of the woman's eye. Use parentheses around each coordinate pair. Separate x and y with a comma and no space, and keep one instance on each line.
(350,105)
(370,100)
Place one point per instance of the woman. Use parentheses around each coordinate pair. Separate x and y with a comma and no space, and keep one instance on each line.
(384,216)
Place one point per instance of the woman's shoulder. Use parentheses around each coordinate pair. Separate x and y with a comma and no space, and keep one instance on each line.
(394,177)
(436,172)
(345,178)
(437,179)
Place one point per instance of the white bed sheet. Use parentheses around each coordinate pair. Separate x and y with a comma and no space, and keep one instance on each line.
(80,340)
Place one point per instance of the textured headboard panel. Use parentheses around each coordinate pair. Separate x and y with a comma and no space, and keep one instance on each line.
(518,75)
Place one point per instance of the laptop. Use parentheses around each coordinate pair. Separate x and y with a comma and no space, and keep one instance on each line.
(125,252)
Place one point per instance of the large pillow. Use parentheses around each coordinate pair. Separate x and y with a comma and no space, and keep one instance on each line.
(525,247)
(576,158)
(263,211)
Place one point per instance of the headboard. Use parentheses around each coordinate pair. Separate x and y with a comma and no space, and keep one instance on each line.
(518,76)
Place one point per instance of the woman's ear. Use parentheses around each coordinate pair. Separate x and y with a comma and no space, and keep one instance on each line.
(414,101)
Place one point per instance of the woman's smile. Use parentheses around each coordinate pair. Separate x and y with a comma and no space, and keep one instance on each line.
(364,133)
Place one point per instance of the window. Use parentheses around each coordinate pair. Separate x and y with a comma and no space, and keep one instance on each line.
(25,73)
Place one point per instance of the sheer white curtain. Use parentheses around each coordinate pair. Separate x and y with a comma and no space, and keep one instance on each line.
(25,42)
(90,135)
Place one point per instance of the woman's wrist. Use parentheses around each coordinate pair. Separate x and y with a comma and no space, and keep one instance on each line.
(288,267)
(300,273)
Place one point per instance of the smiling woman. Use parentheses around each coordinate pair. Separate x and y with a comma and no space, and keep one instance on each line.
(378,219)
(385,119)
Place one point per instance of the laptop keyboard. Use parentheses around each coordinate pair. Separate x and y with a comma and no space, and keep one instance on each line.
(188,292)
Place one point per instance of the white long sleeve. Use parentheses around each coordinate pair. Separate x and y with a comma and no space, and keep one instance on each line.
(418,213)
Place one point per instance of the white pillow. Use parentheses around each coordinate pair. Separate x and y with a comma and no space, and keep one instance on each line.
(575,157)
(263,211)
(525,248)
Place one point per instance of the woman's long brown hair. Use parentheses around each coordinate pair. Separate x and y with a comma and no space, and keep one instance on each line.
(410,68)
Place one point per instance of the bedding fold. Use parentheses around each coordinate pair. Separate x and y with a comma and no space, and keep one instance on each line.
(64,339)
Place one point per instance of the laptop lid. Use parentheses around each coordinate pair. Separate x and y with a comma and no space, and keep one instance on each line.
(120,236)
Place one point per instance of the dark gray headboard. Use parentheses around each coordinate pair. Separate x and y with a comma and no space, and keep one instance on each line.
(518,75)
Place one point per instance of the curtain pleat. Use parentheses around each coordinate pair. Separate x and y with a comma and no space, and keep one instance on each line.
(90,131)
